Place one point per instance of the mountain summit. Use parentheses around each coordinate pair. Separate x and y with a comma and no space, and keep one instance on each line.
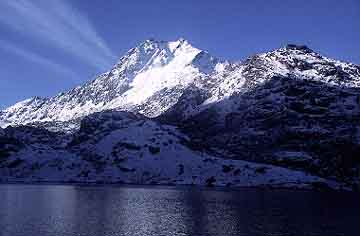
(152,69)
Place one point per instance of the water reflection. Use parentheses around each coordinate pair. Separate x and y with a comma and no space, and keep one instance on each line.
(76,210)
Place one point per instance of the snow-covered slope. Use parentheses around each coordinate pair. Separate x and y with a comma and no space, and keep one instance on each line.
(290,61)
(153,69)
(120,147)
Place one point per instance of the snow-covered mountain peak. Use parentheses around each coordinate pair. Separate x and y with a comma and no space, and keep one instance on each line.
(302,48)
(153,46)
(156,75)
(156,66)
(303,62)
(163,52)
(172,45)
(152,68)
(152,54)
(291,52)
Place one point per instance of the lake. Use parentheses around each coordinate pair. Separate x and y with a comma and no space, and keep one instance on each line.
(43,210)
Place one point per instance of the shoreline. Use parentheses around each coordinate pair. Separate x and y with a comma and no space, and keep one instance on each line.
(185,186)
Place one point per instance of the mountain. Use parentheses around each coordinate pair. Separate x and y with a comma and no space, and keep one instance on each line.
(290,108)
(152,77)
(148,79)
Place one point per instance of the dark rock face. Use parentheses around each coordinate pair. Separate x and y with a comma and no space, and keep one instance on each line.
(299,47)
(98,125)
(8,146)
(292,122)
(189,100)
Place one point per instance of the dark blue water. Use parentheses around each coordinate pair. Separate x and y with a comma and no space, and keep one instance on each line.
(43,210)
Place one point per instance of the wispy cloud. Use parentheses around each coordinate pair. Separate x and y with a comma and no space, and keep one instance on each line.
(59,24)
(35,58)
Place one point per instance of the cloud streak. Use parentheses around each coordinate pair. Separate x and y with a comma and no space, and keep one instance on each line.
(35,58)
(58,24)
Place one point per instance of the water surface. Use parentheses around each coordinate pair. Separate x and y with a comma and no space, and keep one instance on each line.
(51,210)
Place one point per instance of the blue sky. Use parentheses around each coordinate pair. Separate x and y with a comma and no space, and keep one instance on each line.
(48,46)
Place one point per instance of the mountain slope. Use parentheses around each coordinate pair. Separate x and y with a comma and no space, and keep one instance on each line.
(291,61)
(154,68)
(290,107)
(120,147)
